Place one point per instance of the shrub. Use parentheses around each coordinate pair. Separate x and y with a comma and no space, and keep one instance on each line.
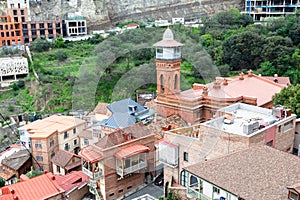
(40,45)
(61,55)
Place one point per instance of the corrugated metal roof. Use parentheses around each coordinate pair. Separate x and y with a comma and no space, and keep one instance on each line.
(131,150)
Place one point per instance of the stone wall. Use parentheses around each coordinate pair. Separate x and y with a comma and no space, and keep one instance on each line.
(105,13)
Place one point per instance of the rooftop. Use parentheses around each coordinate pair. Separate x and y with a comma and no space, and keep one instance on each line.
(16,160)
(257,173)
(62,158)
(39,187)
(244,119)
(235,88)
(71,180)
(46,127)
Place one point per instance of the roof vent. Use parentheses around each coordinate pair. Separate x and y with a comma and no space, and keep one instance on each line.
(205,91)
(12,191)
(53,178)
(241,76)
(250,73)
(217,84)
(16,197)
(225,81)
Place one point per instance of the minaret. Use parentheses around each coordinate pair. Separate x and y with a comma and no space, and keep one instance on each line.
(168,59)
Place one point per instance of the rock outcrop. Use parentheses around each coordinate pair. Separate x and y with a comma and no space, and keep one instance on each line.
(107,13)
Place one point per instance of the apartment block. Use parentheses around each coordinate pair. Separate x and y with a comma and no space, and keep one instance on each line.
(263,9)
(45,137)
(236,127)
(10,32)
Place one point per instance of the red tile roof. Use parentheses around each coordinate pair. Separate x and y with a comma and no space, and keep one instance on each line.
(131,150)
(91,154)
(37,188)
(72,180)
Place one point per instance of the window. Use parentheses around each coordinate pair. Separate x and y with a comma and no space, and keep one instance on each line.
(86,142)
(38,145)
(51,143)
(33,26)
(216,190)
(120,191)
(74,131)
(22,12)
(23,19)
(279,129)
(183,178)
(52,154)
(112,194)
(129,187)
(185,156)
(66,135)
(58,169)
(287,126)
(293,196)
(75,142)
(15,12)
(39,157)
(41,169)
(67,147)
(270,143)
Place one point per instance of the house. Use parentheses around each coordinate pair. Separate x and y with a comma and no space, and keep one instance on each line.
(200,103)
(120,162)
(45,137)
(125,113)
(8,152)
(15,165)
(236,127)
(256,173)
(48,186)
(75,25)
(64,162)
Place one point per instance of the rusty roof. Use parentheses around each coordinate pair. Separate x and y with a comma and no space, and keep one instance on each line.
(131,150)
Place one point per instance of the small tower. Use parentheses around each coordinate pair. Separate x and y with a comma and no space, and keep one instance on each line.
(168,59)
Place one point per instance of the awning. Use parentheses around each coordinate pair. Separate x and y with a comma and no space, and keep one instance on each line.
(131,150)
(90,154)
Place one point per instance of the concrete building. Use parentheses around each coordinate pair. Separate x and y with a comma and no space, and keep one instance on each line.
(13,68)
(236,127)
(256,173)
(202,101)
(10,32)
(75,26)
(47,136)
(264,9)
(120,162)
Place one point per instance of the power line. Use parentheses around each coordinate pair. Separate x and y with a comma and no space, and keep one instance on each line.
(22,142)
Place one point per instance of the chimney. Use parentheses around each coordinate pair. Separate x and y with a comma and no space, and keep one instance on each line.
(225,81)
(205,91)
(217,85)
(197,86)
(276,78)
(250,73)
(241,76)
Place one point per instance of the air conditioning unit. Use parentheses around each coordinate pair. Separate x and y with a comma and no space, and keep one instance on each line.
(250,127)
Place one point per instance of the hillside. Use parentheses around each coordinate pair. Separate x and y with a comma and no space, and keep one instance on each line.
(106,13)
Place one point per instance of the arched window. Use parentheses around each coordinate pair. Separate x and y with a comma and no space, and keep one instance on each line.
(183,178)
(162,89)
(175,82)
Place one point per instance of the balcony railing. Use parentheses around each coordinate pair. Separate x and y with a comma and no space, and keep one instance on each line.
(191,193)
(89,173)
(131,169)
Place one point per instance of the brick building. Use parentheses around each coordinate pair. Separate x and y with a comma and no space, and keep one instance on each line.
(45,137)
(120,162)
(238,126)
(201,102)
(10,32)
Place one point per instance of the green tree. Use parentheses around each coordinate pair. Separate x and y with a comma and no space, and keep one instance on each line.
(267,69)
(290,98)
(59,42)
(2,182)
(243,51)
(40,44)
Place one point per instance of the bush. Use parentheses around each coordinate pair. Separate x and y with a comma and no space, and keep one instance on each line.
(61,55)
(33,173)
(40,45)
(59,42)
(11,108)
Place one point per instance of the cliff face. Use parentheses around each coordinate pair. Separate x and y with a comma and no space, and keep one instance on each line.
(105,13)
